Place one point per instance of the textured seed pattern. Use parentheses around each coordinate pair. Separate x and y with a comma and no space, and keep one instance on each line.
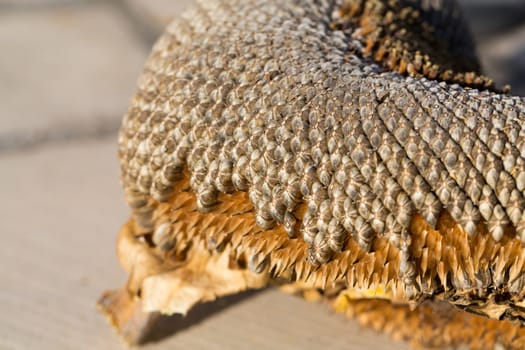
(270,98)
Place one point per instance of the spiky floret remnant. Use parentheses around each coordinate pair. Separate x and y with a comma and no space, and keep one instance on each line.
(410,37)
(265,144)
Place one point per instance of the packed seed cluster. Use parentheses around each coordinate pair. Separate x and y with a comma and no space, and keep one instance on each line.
(268,97)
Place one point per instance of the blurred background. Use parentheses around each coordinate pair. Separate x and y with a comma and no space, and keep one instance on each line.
(67,71)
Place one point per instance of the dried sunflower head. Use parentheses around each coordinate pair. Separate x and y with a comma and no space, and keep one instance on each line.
(322,145)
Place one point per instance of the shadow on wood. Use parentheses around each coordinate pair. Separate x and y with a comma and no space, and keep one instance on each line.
(166,326)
